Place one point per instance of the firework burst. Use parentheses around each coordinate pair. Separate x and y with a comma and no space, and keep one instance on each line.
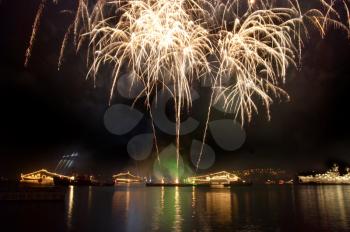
(158,43)
(166,44)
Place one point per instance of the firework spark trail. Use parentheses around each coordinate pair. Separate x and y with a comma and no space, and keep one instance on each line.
(165,44)
(154,134)
(347,15)
(258,48)
(241,52)
(205,129)
(255,53)
(160,44)
(36,26)
(63,46)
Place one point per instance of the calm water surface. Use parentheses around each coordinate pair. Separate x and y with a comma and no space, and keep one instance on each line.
(137,208)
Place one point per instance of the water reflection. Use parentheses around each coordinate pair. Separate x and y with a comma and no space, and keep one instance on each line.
(89,198)
(168,211)
(329,205)
(193,198)
(219,204)
(123,207)
(234,204)
(256,208)
(162,198)
(158,211)
(178,216)
(70,206)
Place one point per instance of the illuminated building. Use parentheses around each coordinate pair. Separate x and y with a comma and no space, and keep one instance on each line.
(126,177)
(42,177)
(218,178)
(330,177)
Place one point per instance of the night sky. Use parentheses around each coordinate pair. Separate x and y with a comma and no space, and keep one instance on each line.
(47,113)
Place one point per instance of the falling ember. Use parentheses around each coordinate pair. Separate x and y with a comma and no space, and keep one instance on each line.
(166,44)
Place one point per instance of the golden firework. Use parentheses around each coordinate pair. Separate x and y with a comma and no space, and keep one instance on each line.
(245,47)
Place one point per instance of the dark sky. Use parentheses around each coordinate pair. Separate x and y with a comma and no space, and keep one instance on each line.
(46,113)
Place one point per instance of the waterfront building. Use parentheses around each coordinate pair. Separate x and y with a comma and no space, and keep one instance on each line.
(42,177)
(218,178)
(126,177)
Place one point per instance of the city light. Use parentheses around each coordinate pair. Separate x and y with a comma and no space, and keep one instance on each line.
(330,177)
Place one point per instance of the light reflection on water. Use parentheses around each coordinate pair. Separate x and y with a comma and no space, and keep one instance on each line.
(257,208)
(138,208)
(219,203)
(70,206)
(331,203)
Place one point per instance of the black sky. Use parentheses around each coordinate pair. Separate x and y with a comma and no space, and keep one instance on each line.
(46,113)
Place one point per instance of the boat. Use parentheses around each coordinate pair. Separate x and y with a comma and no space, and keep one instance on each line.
(214,179)
(83,180)
(331,177)
(44,178)
(59,181)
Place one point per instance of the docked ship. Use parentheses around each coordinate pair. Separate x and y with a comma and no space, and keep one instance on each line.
(330,177)
(81,180)
(42,177)
(222,178)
